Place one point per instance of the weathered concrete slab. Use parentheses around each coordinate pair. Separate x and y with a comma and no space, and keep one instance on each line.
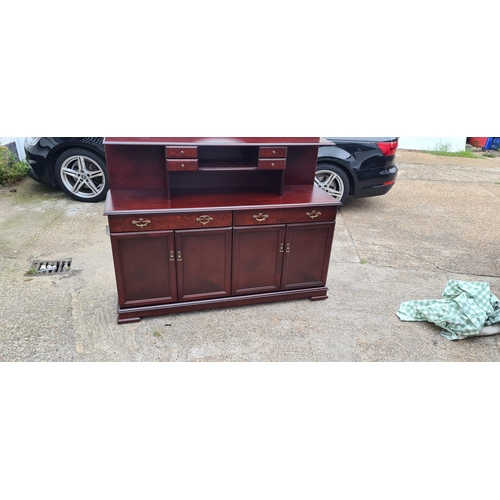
(441,221)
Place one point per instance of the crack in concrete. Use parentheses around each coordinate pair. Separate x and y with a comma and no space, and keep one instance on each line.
(350,235)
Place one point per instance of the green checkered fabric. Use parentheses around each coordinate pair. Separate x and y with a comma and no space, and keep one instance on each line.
(465,309)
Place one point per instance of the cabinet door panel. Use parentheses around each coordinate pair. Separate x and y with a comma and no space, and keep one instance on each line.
(144,267)
(307,254)
(203,263)
(257,259)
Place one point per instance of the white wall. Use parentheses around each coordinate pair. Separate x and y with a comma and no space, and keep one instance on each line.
(425,143)
(18,141)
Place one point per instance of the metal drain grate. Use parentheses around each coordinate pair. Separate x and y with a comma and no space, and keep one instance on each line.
(45,267)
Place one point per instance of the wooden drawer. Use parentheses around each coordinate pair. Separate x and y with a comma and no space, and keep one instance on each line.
(131,223)
(271,152)
(272,164)
(187,152)
(182,165)
(284,216)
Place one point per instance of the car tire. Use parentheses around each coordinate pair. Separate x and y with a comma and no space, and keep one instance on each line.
(82,174)
(333,180)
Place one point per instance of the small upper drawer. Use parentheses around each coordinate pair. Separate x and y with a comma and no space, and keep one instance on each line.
(284,216)
(272,164)
(132,223)
(270,152)
(187,152)
(182,165)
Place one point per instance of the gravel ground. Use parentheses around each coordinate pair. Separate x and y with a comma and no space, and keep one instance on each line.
(440,221)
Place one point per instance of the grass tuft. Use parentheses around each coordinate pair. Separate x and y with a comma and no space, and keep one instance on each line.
(444,149)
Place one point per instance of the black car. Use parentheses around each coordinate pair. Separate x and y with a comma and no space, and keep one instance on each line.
(356,166)
(77,165)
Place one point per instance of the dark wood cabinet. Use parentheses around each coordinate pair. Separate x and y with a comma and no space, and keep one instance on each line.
(284,257)
(199,223)
(257,259)
(203,259)
(307,254)
(145,268)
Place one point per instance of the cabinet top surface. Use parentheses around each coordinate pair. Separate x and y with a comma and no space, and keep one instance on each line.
(216,141)
(125,202)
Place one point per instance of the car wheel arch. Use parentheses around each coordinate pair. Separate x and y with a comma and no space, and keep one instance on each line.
(332,179)
(353,181)
(95,168)
(59,150)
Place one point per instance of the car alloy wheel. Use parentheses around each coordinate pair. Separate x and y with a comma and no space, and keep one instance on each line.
(333,180)
(82,175)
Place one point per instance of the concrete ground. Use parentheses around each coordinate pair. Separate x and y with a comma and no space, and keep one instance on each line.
(441,221)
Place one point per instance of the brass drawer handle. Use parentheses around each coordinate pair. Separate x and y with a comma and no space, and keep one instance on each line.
(281,248)
(182,165)
(141,222)
(204,219)
(179,256)
(172,258)
(260,217)
(288,248)
(313,214)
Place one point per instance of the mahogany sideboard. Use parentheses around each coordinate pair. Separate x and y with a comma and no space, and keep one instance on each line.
(198,223)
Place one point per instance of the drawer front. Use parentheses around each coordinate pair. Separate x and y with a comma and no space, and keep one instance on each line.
(272,164)
(131,223)
(287,215)
(270,152)
(182,165)
(187,152)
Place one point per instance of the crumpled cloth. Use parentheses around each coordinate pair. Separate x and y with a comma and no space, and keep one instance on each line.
(467,309)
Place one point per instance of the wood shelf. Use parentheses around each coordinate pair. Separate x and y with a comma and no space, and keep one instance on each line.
(224,166)
(130,201)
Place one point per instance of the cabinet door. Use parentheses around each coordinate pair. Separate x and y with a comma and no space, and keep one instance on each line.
(203,263)
(144,267)
(257,259)
(307,255)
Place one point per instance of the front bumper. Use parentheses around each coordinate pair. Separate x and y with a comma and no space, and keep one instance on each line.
(38,165)
(33,175)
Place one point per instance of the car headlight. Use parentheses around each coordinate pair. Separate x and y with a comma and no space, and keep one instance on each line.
(31,141)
